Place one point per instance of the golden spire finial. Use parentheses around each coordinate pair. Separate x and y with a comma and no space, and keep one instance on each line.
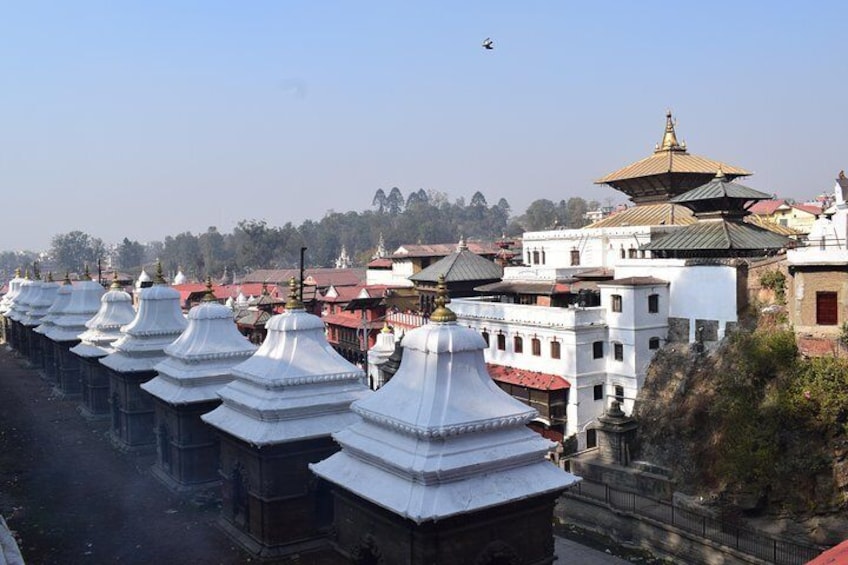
(265,289)
(442,313)
(115,284)
(669,140)
(209,296)
(720,173)
(160,278)
(17,272)
(86,273)
(49,276)
(461,246)
(386,329)
(293,303)
(67,279)
(26,274)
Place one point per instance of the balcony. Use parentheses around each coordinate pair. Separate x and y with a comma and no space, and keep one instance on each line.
(488,308)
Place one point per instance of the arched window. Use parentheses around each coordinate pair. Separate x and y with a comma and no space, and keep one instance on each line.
(555,350)
(575,257)
(518,344)
(501,342)
(535,257)
(536,346)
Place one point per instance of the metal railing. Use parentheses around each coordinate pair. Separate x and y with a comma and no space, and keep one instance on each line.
(727,533)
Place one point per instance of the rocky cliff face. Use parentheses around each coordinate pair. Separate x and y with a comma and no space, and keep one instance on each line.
(750,427)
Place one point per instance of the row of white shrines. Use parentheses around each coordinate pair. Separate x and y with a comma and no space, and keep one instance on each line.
(437,466)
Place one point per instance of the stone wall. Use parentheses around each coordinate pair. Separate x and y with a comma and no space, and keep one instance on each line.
(678,330)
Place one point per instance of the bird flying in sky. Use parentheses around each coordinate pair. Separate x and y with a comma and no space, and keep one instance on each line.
(488,44)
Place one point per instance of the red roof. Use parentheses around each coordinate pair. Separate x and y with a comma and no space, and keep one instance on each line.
(349,321)
(529,379)
(834,556)
(380,263)
(321,277)
(809,208)
(345,294)
(444,249)
(766,207)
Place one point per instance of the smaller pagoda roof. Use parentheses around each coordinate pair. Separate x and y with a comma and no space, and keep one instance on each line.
(158,322)
(200,361)
(460,266)
(295,387)
(714,235)
(665,162)
(83,305)
(116,310)
(720,188)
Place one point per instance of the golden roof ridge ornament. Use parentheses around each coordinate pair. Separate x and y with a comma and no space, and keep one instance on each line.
(209,295)
(115,284)
(159,279)
(720,174)
(442,313)
(669,139)
(293,303)
(386,329)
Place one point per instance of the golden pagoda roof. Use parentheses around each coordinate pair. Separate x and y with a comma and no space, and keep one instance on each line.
(664,214)
(671,157)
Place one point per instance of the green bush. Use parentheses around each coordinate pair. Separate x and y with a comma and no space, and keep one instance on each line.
(775,281)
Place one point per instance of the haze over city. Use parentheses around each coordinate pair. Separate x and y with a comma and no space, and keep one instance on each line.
(152,119)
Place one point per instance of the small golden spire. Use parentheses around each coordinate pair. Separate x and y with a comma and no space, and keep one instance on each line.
(160,278)
(18,273)
(85,273)
(26,274)
(67,279)
(115,284)
(669,140)
(209,296)
(386,329)
(265,289)
(442,313)
(720,174)
(293,303)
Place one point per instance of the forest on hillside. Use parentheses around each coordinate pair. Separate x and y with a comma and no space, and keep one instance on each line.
(420,216)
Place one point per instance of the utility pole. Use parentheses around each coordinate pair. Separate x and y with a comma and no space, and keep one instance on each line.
(302,253)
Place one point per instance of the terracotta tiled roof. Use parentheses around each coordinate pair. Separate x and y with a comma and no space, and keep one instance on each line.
(346,294)
(349,321)
(648,215)
(833,556)
(671,161)
(529,379)
(380,263)
(766,207)
(809,208)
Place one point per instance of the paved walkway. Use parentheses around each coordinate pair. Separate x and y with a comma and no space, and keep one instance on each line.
(72,498)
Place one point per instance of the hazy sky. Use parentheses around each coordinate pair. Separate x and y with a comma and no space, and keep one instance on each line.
(147,119)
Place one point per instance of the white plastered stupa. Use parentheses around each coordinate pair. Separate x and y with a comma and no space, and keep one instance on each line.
(116,310)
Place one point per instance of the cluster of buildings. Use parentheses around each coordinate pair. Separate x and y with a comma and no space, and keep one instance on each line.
(358,402)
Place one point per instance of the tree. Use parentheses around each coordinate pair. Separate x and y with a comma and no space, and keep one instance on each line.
(394,202)
(379,200)
(214,251)
(74,250)
(130,254)
(576,209)
(540,215)
(478,200)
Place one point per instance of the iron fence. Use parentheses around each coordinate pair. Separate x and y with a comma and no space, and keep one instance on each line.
(727,533)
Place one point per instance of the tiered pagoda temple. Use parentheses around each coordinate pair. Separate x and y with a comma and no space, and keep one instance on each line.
(116,310)
(442,468)
(276,418)
(198,364)
(158,323)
